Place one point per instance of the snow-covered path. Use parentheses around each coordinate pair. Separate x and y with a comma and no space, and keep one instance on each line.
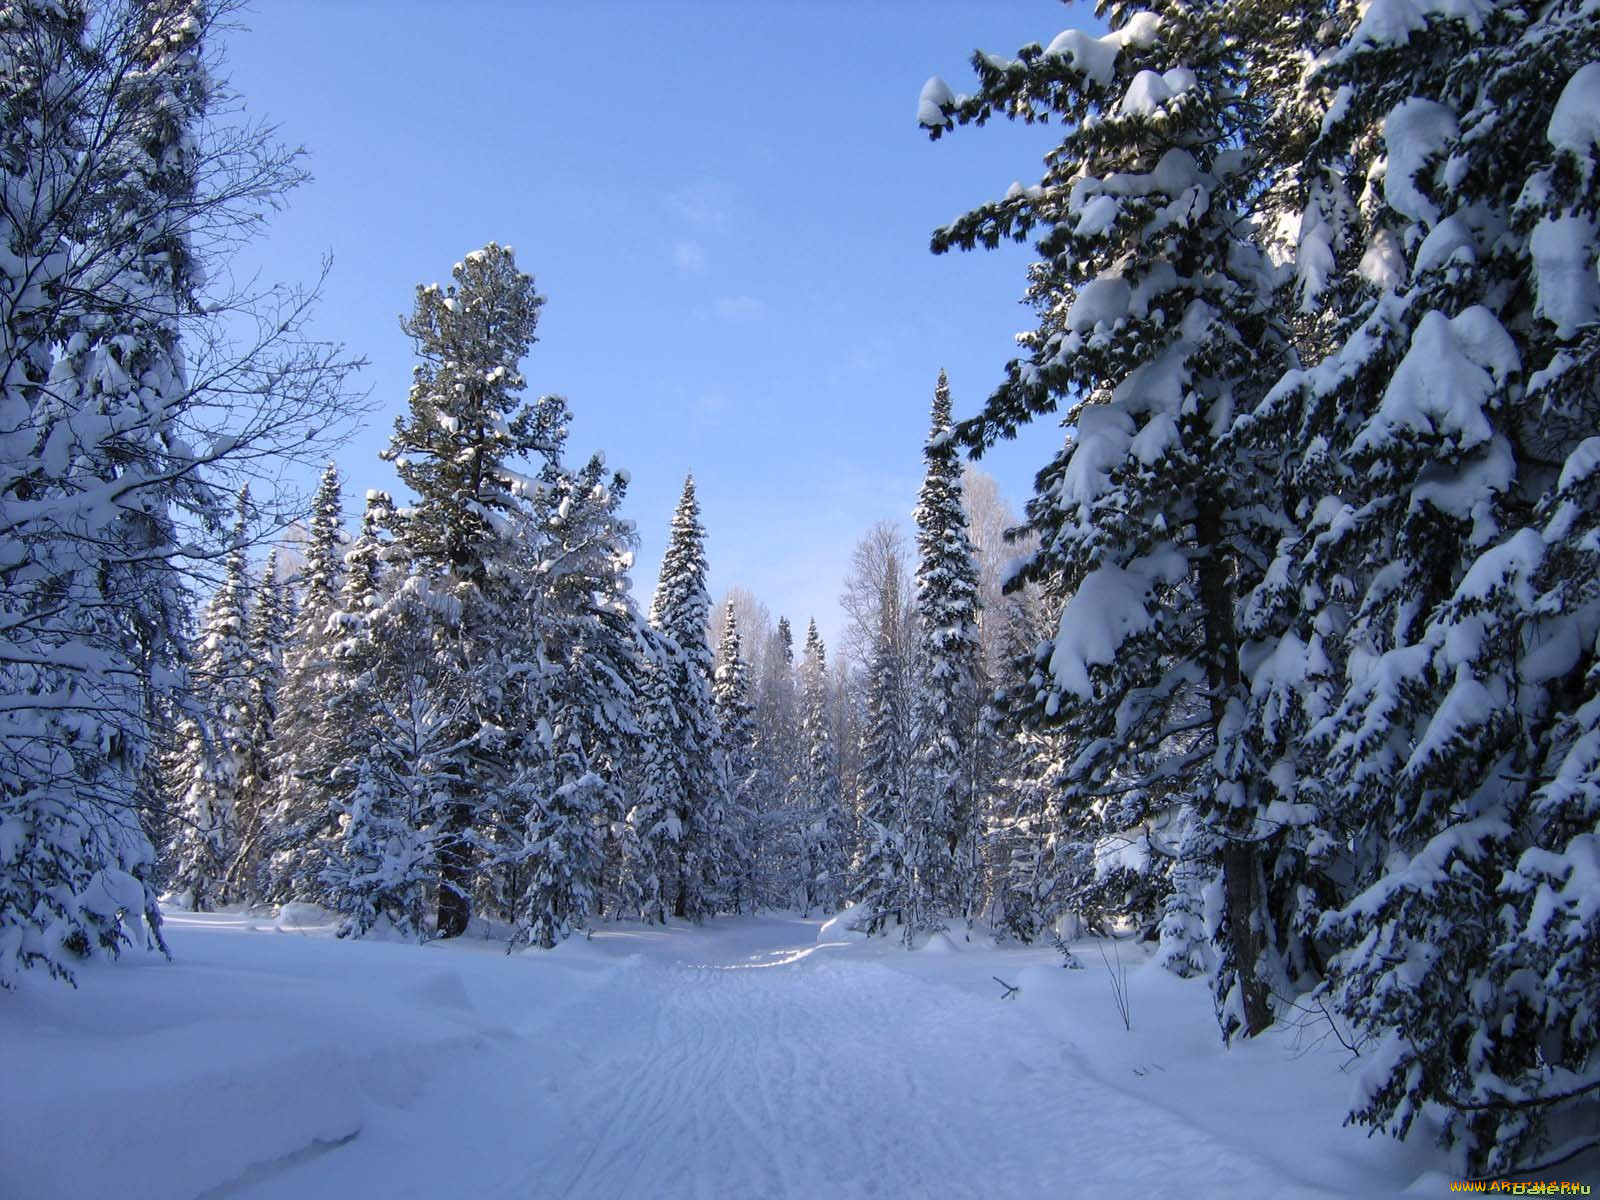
(775,1068)
(753,1058)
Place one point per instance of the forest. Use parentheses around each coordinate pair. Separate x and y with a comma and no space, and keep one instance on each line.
(1290,669)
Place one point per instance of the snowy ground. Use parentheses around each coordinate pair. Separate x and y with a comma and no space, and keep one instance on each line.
(756,1057)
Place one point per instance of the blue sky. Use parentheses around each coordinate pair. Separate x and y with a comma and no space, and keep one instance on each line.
(727,206)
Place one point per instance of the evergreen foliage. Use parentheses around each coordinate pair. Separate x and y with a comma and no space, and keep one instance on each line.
(307,747)
(943,833)
(684,804)
(1155,326)
(456,449)
(735,712)
(588,735)
(214,764)
(881,872)
(824,831)
(1327,644)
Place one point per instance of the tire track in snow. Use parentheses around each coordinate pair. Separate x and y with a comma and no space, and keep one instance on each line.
(850,1079)
(812,1076)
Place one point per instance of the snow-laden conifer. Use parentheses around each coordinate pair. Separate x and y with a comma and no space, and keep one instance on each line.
(459,449)
(822,819)
(211,770)
(1154,327)
(685,794)
(735,711)
(944,805)
(1443,569)
(880,872)
(119,401)
(586,694)
(307,746)
(777,756)
(271,619)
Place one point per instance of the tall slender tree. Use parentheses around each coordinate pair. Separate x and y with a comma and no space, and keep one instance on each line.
(824,820)
(118,407)
(271,616)
(730,698)
(945,817)
(881,873)
(307,742)
(585,628)
(686,787)
(213,765)
(457,449)
(777,755)
(1155,327)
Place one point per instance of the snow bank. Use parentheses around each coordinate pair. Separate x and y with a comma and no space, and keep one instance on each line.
(844,926)
(644,1061)
(248,1056)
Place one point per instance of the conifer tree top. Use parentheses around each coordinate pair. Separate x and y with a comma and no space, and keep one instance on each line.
(323,560)
(681,605)
(467,421)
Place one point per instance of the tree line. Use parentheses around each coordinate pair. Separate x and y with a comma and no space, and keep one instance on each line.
(1297,674)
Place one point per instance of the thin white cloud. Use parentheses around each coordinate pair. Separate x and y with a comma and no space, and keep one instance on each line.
(690,256)
(704,206)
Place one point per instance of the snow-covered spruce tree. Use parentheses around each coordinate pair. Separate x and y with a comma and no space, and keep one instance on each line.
(211,769)
(271,619)
(117,397)
(943,840)
(585,625)
(1154,326)
(1027,853)
(377,872)
(466,427)
(777,756)
(730,699)
(306,746)
(845,706)
(880,872)
(1451,448)
(685,793)
(363,841)
(824,822)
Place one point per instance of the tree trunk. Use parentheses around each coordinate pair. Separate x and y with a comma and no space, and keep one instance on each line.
(1240,872)
(455,873)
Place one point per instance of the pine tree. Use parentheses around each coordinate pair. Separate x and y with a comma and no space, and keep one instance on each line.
(94,225)
(686,789)
(109,221)
(1442,562)
(777,755)
(307,745)
(1028,852)
(943,834)
(455,449)
(271,617)
(363,841)
(824,821)
(1155,326)
(881,872)
(378,869)
(730,699)
(586,627)
(212,770)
